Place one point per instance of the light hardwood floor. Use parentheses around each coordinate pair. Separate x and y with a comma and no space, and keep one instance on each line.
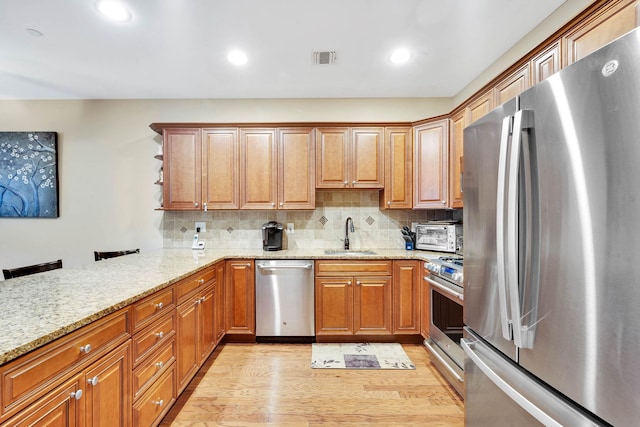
(273,384)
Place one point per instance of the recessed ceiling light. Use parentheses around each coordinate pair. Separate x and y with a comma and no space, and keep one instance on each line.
(237,57)
(114,10)
(400,56)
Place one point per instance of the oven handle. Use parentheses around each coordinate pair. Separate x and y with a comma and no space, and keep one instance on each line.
(433,352)
(445,289)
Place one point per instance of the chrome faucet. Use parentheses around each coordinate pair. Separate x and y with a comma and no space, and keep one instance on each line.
(346,232)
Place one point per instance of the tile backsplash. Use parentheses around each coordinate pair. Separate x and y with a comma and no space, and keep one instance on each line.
(321,228)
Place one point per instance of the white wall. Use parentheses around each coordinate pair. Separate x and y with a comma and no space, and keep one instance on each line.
(106,166)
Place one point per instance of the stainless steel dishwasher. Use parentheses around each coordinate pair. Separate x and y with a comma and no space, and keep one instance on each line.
(285,300)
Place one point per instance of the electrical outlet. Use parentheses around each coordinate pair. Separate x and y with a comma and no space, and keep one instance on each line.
(290,228)
(201,227)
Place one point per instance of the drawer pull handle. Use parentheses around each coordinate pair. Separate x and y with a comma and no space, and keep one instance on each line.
(158,402)
(160,335)
(93,381)
(160,365)
(77,394)
(85,348)
(200,281)
(159,305)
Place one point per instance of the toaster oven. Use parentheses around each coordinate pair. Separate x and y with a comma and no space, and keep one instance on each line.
(438,237)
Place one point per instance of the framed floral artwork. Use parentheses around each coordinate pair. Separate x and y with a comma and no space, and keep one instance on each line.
(29,174)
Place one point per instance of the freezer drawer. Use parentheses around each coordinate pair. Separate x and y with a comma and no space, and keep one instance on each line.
(285,304)
(498,393)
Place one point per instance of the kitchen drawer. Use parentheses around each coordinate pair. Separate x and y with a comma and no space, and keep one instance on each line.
(196,281)
(30,376)
(156,402)
(150,308)
(151,337)
(152,367)
(360,268)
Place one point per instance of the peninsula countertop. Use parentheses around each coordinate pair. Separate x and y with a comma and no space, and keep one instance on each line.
(40,308)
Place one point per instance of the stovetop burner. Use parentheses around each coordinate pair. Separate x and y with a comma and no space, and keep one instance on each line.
(452,259)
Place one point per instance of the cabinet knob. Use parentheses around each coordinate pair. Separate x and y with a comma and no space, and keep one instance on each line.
(158,402)
(388,203)
(353,182)
(160,334)
(93,381)
(346,183)
(349,282)
(159,305)
(273,203)
(358,283)
(444,202)
(77,394)
(200,281)
(160,365)
(281,204)
(85,348)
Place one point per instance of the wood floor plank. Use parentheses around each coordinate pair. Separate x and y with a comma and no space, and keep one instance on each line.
(274,385)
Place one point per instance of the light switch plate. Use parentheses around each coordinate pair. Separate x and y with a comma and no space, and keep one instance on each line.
(202,225)
(290,228)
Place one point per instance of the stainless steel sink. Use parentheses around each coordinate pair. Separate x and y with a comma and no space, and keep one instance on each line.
(348,252)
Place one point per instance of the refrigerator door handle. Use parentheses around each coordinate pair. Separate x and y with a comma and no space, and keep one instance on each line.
(522,119)
(501,199)
(503,385)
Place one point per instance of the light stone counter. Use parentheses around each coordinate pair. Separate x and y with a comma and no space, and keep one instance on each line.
(40,308)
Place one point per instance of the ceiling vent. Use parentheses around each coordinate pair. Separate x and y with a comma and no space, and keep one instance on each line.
(324,58)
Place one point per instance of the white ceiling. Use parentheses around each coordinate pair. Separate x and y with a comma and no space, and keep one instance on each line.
(178,48)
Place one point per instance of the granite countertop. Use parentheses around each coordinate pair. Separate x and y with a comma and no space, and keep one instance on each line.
(40,308)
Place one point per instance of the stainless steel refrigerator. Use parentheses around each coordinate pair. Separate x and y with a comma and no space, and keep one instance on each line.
(552,249)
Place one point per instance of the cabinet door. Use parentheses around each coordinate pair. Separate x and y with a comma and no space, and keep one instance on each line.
(206,333)
(458,123)
(240,297)
(334,305)
(512,85)
(258,169)
(182,168)
(431,165)
(63,406)
(108,390)
(367,158)
(332,157)
(406,297)
(372,305)
(187,356)
(296,168)
(221,188)
(545,63)
(614,20)
(218,296)
(481,106)
(398,169)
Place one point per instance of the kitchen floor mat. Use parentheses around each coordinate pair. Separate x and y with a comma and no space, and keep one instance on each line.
(360,356)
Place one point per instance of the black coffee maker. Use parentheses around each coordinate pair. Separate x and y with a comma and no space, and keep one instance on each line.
(272,236)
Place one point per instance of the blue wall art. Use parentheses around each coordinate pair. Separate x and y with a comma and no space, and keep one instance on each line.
(28,174)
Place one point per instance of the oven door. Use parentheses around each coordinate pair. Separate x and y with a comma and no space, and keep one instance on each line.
(445,330)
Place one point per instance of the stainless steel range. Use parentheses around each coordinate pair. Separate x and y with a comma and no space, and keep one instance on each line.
(446,293)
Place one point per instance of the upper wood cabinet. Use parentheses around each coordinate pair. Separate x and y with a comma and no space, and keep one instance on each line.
(398,169)
(481,106)
(182,188)
(258,169)
(221,186)
(431,148)
(350,157)
(545,63)
(296,168)
(613,20)
(456,139)
(512,85)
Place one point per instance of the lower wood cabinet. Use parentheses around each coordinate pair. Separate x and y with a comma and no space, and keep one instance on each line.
(406,297)
(353,298)
(218,298)
(99,395)
(425,303)
(154,404)
(240,297)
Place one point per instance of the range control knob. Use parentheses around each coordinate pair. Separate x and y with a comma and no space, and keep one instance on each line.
(458,277)
(434,268)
